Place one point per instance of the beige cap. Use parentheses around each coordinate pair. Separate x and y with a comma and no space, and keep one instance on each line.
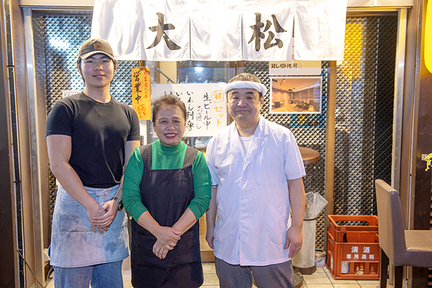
(95,46)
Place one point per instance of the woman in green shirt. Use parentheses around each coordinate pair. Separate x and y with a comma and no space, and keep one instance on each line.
(166,190)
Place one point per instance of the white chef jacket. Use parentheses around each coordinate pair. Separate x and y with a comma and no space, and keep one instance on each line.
(252,198)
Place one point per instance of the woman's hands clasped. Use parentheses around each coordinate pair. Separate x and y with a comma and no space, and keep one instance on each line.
(167,239)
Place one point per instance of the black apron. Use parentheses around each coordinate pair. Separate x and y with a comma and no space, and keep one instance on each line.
(166,194)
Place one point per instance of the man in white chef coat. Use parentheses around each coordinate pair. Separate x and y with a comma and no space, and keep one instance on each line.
(257,171)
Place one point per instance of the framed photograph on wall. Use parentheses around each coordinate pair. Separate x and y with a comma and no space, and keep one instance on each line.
(295,95)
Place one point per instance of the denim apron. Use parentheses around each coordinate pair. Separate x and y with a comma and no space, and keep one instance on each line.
(73,242)
(166,194)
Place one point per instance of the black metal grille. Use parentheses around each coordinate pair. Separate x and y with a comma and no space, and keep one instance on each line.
(62,36)
(365,93)
(364,113)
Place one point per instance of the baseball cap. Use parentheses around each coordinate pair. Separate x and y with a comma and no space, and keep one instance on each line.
(95,46)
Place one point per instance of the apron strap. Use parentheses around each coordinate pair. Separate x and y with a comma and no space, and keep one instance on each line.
(146,154)
(190,156)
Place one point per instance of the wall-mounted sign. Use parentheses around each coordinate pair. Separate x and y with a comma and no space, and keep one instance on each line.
(295,95)
(205,106)
(141,101)
(295,68)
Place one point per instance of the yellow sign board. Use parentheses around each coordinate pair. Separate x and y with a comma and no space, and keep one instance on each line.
(428,38)
(141,93)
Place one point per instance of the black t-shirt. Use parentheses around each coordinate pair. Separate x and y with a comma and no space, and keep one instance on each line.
(99,133)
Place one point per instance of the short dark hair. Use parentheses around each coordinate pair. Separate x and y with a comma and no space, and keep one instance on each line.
(168,99)
(245,77)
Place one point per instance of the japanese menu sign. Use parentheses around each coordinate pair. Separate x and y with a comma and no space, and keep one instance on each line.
(360,252)
(205,106)
(141,101)
(295,67)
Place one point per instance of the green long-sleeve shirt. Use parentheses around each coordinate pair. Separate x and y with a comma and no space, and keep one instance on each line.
(166,157)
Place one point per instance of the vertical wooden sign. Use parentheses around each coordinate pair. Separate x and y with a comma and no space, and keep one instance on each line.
(141,97)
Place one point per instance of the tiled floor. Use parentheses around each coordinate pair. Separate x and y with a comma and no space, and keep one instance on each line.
(320,279)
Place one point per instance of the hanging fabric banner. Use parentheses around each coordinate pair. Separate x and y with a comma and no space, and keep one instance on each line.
(119,23)
(166,30)
(319,29)
(141,96)
(268,34)
(222,30)
(216,38)
(143,30)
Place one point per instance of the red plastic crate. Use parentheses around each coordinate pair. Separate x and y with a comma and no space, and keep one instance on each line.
(359,251)
(337,231)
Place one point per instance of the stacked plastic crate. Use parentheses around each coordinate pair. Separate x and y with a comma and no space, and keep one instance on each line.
(353,250)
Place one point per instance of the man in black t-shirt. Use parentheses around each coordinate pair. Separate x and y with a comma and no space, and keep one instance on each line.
(90,137)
